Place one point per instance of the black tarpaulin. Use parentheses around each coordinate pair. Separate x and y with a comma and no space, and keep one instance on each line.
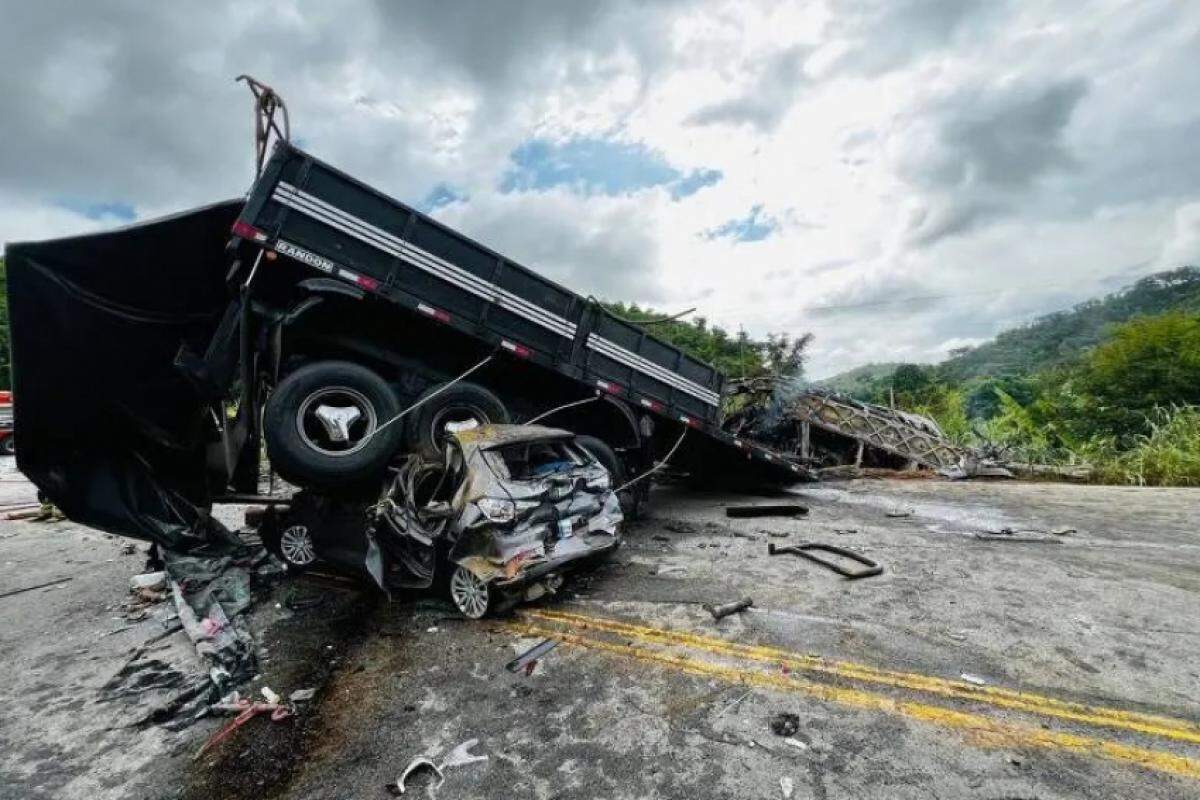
(105,425)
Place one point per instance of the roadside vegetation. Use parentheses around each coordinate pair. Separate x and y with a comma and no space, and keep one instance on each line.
(1114,383)
(735,355)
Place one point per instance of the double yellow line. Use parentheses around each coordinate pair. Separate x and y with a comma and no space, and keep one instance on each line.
(644,643)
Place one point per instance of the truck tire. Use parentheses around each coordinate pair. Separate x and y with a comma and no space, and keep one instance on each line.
(630,498)
(605,455)
(426,425)
(322,425)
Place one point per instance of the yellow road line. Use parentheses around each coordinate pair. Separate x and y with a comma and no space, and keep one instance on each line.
(981,729)
(1164,727)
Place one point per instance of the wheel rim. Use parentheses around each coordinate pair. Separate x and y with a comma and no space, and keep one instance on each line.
(469,592)
(296,545)
(336,421)
(450,415)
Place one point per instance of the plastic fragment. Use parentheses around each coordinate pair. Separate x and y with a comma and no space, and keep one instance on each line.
(418,763)
(461,755)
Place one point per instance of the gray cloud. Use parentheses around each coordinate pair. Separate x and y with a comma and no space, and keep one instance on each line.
(1008,159)
(136,103)
(1003,136)
(606,248)
(881,35)
(975,151)
(888,294)
(766,100)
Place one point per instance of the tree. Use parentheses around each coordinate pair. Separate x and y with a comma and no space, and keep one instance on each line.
(737,356)
(1146,363)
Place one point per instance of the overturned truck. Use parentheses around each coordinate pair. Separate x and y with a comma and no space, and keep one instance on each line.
(343,330)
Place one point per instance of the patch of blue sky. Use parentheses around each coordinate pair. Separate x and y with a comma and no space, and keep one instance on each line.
(93,210)
(598,166)
(754,227)
(440,196)
(695,181)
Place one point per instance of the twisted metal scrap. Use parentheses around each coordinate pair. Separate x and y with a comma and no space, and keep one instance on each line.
(266,103)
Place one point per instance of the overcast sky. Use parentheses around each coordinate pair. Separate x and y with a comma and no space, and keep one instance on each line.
(899,177)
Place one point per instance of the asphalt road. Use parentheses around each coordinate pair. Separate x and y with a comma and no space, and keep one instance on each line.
(1040,662)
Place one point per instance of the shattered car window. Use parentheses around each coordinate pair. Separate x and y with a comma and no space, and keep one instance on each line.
(533,460)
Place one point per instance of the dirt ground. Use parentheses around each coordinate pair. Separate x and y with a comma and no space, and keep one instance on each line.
(1023,641)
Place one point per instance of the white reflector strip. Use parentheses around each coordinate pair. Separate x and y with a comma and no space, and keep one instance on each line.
(382,240)
(618,353)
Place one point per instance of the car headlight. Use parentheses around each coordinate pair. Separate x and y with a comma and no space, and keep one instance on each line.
(501,509)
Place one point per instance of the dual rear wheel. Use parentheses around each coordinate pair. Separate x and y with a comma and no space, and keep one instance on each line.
(332,424)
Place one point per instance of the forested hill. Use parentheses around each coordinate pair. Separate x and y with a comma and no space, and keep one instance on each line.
(1059,337)
(859,381)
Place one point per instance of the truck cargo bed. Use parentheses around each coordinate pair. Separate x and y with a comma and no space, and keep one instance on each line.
(311,212)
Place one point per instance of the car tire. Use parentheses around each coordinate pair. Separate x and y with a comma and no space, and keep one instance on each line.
(291,544)
(471,594)
(426,424)
(325,425)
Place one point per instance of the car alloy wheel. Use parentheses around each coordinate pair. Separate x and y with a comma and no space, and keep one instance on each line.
(470,593)
(296,546)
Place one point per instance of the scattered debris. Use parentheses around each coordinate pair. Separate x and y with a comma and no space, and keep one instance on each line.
(12,592)
(1063,531)
(154,581)
(796,743)
(804,550)
(129,550)
(46,512)
(778,534)
(269,694)
(724,610)
(733,703)
(302,695)
(658,537)
(462,755)
(844,531)
(1009,535)
(973,679)
(785,723)
(787,787)
(668,570)
(530,657)
(418,763)
(900,513)
(246,711)
(843,472)
(784,510)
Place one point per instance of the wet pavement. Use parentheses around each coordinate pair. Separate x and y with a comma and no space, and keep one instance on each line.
(1024,640)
